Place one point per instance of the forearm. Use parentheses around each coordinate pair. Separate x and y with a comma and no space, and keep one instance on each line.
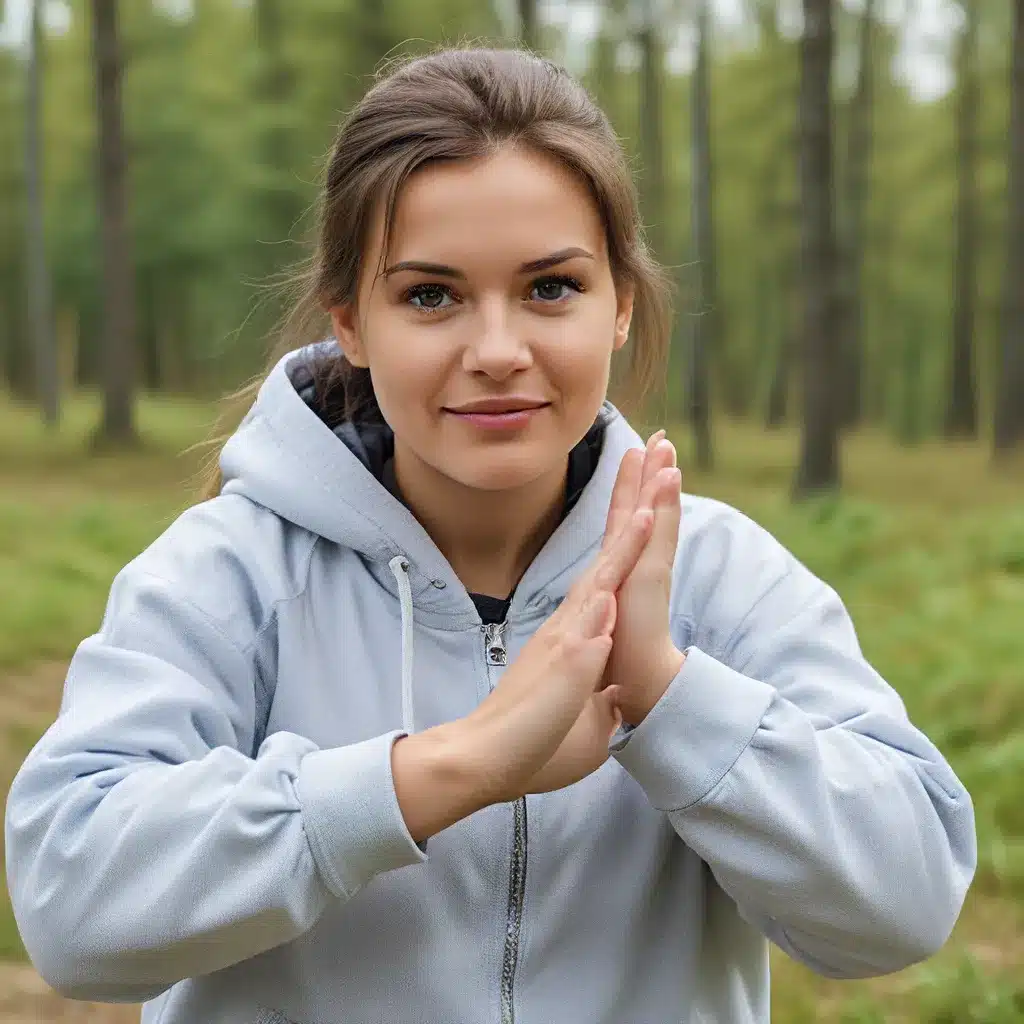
(435,781)
(851,846)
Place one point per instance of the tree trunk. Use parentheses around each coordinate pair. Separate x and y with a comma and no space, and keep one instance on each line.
(118,349)
(858,164)
(778,393)
(528,34)
(375,34)
(909,412)
(779,260)
(17,373)
(704,333)
(279,203)
(148,331)
(961,408)
(1009,417)
(819,454)
(651,133)
(787,285)
(604,69)
(40,290)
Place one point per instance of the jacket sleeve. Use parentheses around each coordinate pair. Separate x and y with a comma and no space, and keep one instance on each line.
(793,771)
(143,846)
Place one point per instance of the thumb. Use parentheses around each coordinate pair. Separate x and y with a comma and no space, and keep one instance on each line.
(589,659)
(598,616)
(607,701)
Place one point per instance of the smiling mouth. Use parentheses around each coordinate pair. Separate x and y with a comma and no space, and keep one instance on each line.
(498,407)
(494,415)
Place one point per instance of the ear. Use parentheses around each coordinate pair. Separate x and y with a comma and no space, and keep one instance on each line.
(345,322)
(625,294)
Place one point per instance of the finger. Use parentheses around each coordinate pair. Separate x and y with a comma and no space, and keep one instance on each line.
(621,558)
(586,664)
(652,488)
(660,455)
(611,567)
(598,617)
(668,513)
(624,495)
(612,696)
(606,703)
(667,518)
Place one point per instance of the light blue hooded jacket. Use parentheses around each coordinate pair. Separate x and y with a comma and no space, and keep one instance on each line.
(210,826)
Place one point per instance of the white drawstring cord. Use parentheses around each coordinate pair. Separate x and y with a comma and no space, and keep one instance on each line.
(399,565)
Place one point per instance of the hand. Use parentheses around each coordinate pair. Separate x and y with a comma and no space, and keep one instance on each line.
(545,725)
(644,659)
(586,745)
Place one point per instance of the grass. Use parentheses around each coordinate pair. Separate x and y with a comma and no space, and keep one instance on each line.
(926,547)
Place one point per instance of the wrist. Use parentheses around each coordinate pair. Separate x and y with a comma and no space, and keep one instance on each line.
(473,743)
(436,780)
(664,670)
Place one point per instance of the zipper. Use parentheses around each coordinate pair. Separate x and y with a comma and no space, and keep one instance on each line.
(494,644)
(496,655)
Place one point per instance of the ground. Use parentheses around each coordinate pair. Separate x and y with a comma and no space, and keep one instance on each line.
(26,999)
(926,548)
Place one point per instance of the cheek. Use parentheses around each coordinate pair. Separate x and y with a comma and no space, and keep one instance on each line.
(579,359)
(408,375)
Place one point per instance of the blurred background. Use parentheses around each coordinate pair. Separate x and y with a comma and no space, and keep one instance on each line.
(838,189)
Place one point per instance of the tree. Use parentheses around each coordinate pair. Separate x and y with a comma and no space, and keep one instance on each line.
(528,34)
(652,193)
(277,197)
(118,349)
(276,91)
(40,291)
(778,253)
(961,419)
(858,162)
(603,73)
(704,245)
(819,452)
(14,359)
(1009,416)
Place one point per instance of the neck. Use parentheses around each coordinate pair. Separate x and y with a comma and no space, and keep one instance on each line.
(488,537)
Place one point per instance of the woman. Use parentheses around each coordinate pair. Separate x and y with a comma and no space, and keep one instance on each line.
(434,711)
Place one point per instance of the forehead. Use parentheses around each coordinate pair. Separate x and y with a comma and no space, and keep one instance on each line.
(500,210)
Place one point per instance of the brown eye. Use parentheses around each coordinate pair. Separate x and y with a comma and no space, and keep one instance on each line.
(428,296)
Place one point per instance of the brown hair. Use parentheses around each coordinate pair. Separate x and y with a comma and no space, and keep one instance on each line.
(460,104)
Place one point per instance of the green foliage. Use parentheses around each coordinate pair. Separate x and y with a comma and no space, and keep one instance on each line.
(966,994)
(221,179)
(223,175)
(960,992)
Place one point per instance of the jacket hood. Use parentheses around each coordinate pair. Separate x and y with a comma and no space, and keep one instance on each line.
(285,458)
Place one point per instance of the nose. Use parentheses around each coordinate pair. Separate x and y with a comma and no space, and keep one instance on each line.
(499,347)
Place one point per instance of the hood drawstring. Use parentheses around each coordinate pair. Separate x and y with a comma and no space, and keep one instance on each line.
(399,565)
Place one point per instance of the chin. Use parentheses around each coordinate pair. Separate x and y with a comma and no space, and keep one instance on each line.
(514,467)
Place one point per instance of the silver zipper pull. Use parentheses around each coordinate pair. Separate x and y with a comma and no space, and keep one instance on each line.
(494,643)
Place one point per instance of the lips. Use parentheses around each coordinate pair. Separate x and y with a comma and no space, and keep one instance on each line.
(498,406)
(498,415)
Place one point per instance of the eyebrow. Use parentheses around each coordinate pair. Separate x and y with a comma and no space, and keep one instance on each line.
(442,270)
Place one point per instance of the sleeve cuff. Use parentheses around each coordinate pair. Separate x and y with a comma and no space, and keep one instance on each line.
(695,733)
(351,814)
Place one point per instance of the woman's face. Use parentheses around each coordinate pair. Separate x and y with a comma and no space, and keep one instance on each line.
(490,329)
